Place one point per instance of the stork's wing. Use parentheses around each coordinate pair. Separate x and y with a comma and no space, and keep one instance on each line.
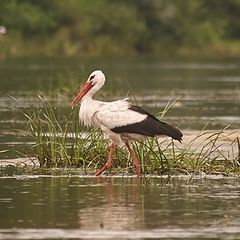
(118,114)
(121,117)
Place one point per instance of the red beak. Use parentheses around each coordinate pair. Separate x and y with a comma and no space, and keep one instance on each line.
(84,89)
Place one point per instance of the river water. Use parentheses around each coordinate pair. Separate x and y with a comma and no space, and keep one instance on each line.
(66,205)
(208,90)
(69,206)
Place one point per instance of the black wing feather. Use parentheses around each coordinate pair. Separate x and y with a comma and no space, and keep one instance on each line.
(150,127)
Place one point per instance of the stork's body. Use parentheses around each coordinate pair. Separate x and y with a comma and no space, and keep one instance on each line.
(120,120)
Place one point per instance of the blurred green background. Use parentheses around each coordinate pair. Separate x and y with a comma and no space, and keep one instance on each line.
(120,27)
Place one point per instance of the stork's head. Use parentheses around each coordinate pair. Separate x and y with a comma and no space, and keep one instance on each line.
(95,81)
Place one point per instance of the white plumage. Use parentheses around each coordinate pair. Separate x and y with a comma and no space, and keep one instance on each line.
(109,115)
(120,120)
(116,114)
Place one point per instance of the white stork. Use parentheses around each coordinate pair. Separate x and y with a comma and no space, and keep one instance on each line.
(120,120)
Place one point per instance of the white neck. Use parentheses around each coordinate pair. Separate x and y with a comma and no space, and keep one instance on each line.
(88,108)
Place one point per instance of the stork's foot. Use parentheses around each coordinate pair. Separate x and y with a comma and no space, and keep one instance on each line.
(135,160)
(110,159)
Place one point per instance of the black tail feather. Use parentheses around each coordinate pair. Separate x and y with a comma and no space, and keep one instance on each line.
(150,127)
(168,130)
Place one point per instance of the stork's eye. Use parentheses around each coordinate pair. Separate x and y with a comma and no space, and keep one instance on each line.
(92,77)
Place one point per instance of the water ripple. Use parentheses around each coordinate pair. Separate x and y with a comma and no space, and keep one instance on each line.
(230,232)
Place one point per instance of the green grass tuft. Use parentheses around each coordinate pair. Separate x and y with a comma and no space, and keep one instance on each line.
(60,142)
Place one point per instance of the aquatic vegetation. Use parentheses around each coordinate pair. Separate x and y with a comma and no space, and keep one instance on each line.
(61,142)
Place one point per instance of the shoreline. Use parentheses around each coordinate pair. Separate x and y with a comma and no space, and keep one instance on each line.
(226,145)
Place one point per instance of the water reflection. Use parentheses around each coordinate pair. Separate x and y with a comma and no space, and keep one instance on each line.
(160,207)
(120,204)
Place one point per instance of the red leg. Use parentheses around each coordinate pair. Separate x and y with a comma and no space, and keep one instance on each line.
(109,162)
(135,160)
